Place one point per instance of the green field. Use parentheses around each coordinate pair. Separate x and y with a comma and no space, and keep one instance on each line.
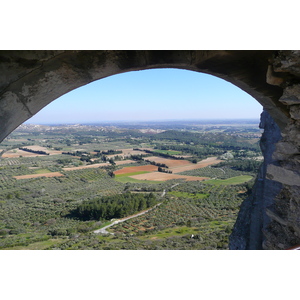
(171,232)
(229,181)
(170,152)
(131,174)
(42,171)
(39,245)
(124,178)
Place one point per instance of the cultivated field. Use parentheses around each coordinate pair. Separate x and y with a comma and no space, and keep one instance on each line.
(176,166)
(126,152)
(17,152)
(52,174)
(120,162)
(47,150)
(86,167)
(160,176)
(147,168)
(201,164)
(199,202)
(124,162)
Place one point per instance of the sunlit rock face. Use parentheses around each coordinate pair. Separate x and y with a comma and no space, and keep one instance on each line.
(253,217)
(270,218)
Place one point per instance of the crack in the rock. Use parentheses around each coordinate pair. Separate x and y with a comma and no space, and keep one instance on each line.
(26,107)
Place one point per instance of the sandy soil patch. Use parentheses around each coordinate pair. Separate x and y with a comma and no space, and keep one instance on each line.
(53,174)
(86,167)
(124,162)
(17,152)
(17,140)
(160,176)
(148,168)
(201,164)
(169,162)
(126,153)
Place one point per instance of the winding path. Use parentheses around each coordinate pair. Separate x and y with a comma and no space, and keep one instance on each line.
(104,231)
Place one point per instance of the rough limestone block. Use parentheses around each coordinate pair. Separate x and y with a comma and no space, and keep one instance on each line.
(282,175)
(286,148)
(295,112)
(291,95)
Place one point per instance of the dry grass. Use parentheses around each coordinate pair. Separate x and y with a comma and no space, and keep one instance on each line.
(126,152)
(17,152)
(124,162)
(52,174)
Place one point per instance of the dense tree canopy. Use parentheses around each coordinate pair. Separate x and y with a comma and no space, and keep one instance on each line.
(116,206)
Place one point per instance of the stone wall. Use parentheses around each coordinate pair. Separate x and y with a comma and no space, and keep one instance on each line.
(270,217)
(283,231)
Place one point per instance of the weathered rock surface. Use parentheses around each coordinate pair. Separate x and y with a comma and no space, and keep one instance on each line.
(283,231)
(277,190)
(252,218)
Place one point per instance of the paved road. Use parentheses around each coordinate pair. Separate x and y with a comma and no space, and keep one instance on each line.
(103,230)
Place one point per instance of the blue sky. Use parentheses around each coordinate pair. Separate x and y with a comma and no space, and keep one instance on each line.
(157,94)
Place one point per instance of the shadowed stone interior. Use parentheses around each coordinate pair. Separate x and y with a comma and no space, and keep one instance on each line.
(270,218)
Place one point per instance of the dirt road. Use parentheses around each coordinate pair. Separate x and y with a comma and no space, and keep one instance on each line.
(104,231)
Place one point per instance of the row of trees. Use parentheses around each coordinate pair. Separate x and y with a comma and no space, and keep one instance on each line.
(139,157)
(110,152)
(159,154)
(76,153)
(156,164)
(34,151)
(160,169)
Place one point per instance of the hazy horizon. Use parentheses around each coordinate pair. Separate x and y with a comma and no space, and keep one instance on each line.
(199,121)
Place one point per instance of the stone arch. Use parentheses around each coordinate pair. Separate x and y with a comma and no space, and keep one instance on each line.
(32,79)
(29,80)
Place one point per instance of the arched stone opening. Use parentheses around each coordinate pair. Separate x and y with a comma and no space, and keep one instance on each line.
(32,79)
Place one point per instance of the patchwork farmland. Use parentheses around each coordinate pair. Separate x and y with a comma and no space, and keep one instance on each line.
(59,184)
(150,172)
